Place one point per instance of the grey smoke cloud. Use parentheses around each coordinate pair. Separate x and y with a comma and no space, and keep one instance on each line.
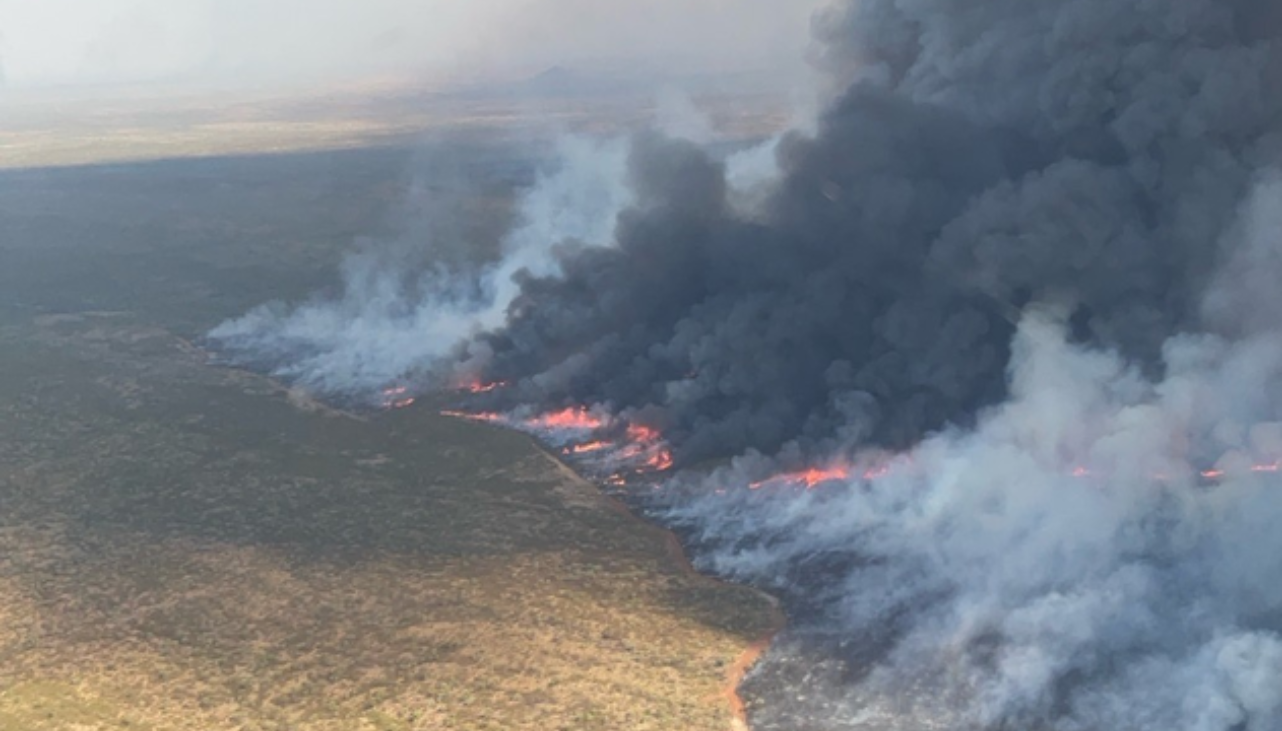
(393,320)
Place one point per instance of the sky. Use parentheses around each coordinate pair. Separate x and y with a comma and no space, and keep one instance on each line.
(46,43)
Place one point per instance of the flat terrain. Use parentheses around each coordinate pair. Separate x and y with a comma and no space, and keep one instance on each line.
(188,547)
(122,125)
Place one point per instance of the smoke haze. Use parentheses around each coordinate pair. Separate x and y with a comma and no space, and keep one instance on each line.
(1023,268)
(237,43)
(394,319)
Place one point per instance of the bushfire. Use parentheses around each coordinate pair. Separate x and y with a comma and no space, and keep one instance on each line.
(812,477)
(617,454)
(597,439)
(397,397)
(577,419)
(478,387)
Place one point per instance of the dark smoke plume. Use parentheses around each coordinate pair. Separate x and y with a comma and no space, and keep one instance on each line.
(988,154)
(1032,249)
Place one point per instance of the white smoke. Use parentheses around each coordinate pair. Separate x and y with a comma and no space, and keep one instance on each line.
(1064,564)
(388,325)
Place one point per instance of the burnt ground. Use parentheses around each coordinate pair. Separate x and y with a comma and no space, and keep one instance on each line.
(188,547)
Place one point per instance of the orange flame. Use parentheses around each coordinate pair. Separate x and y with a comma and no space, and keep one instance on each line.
(574,418)
(812,477)
(642,449)
(1218,474)
(809,477)
(648,443)
(660,461)
(482,387)
(643,434)
(396,397)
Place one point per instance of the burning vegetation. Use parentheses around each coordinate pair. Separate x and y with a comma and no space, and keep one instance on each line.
(604,445)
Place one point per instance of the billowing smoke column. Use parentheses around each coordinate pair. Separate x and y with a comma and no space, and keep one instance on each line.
(1011,314)
(392,321)
(989,153)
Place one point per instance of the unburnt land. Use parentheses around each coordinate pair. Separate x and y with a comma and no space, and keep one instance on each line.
(189,547)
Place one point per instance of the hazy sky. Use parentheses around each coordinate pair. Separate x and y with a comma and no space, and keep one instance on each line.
(261,42)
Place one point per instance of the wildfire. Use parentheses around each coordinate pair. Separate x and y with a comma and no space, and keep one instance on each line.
(477,387)
(579,419)
(397,397)
(1219,474)
(641,449)
(660,461)
(642,434)
(648,447)
(812,477)
(809,478)
(815,476)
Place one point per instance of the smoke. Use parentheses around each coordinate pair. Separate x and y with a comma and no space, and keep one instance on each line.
(1022,270)
(1061,565)
(994,155)
(392,319)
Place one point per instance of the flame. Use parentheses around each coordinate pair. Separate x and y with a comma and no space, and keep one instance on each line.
(808,477)
(641,433)
(574,418)
(397,397)
(660,461)
(812,477)
(482,387)
(649,447)
(1266,468)
(641,450)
